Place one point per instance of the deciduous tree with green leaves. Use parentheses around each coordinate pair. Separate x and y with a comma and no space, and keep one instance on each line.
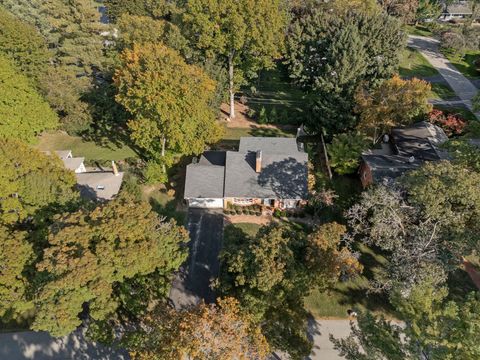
(245,35)
(89,252)
(156,9)
(24,113)
(32,182)
(271,273)
(433,328)
(169,101)
(345,151)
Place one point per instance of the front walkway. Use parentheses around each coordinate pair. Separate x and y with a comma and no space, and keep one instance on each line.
(463,87)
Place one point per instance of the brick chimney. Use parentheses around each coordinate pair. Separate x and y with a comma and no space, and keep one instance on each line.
(258,161)
(114,168)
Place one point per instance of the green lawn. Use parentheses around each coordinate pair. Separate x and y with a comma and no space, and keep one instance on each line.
(90,150)
(413,64)
(460,110)
(274,92)
(351,294)
(231,137)
(418,30)
(248,228)
(442,91)
(465,64)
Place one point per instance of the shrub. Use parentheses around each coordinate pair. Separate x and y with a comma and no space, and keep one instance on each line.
(345,151)
(452,124)
(273,118)
(262,116)
(451,40)
(258,213)
(277,213)
(154,174)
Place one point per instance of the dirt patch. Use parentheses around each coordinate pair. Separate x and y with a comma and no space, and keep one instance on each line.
(259,220)
(242,120)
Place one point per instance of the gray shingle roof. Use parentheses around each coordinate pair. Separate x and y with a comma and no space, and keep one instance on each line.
(274,145)
(204,181)
(389,166)
(73,163)
(283,176)
(103,185)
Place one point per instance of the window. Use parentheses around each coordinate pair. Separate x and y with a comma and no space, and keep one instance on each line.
(242,201)
(100,187)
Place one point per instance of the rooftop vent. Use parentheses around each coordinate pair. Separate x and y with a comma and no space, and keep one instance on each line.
(258,161)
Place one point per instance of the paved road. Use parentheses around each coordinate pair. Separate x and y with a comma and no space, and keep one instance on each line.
(30,345)
(429,48)
(320,331)
(202,266)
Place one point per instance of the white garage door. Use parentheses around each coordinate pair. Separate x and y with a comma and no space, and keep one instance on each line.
(206,203)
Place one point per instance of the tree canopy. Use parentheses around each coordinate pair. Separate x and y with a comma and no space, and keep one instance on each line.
(215,331)
(395,102)
(330,54)
(271,273)
(434,328)
(31,181)
(245,35)
(24,113)
(169,101)
(89,252)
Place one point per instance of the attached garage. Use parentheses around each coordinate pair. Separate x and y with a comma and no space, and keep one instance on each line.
(206,203)
(204,181)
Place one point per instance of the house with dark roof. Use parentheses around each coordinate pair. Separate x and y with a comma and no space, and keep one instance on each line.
(406,149)
(265,170)
(459,9)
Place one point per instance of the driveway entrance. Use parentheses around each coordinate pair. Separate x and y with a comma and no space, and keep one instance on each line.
(193,282)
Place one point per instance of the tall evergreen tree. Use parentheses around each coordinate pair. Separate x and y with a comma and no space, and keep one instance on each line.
(330,54)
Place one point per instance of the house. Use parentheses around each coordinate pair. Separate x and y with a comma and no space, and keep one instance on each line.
(456,10)
(93,183)
(405,149)
(268,171)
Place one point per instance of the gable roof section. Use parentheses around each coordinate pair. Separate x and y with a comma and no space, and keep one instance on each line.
(73,163)
(274,145)
(204,181)
(389,166)
(283,176)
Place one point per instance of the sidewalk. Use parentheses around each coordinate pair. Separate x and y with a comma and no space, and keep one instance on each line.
(462,86)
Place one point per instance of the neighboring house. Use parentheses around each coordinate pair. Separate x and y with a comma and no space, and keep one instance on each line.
(265,170)
(406,149)
(93,183)
(456,10)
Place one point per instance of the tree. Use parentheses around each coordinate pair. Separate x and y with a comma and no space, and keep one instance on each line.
(141,29)
(330,54)
(245,35)
(76,38)
(448,194)
(345,151)
(23,112)
(426,225)
(15,253)
(434,328)
(32,182)
(428,9)
(169,100)
(152,8)
(403,9)
(215,331)
(90,252)
(272,272)
(21,43)
(394,102)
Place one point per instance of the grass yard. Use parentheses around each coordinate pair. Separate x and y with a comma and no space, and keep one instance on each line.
(89,149)
(283,102)
(442,92)
(465,64)
(231,137)
(413,64)
(248,228)
(459,110)
(351,294)
(418,30)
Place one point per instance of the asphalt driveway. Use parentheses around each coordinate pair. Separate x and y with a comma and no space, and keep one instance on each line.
(193,282)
